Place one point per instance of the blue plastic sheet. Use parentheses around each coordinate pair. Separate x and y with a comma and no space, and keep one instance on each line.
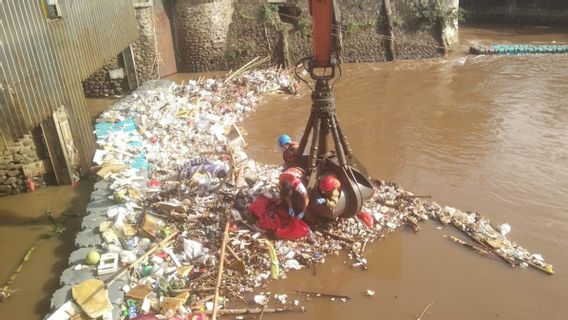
(102,129)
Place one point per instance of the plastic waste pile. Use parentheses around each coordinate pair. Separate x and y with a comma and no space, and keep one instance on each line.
(178,168)
(180,177)
(490,239)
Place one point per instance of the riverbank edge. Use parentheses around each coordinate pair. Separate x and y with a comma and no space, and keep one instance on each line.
(87,240)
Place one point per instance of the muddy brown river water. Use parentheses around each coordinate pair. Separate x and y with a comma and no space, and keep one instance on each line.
(488,134)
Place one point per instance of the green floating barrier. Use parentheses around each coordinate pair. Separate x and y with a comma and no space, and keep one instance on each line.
(520,49)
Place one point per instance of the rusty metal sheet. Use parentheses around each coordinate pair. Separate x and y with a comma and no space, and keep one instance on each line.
(43,61)
(165,44)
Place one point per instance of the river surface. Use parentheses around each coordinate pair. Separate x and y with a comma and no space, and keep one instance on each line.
(487,134)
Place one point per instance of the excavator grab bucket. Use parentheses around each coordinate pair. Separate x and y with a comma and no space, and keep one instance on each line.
(329,152)
(355,188)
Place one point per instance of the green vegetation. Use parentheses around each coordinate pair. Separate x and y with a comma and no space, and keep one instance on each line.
(55,229)
(304,26)
(243,13)
(239,50)
(354,26)
(270,16)
(431,15)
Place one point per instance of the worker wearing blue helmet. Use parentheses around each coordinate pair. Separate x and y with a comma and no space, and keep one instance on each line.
(289,150)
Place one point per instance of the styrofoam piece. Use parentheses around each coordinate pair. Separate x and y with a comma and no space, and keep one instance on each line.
(108,263)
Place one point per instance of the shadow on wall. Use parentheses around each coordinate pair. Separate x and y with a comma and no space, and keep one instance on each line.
(545,12)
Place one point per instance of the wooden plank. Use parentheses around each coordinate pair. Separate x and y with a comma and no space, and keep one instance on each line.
(130,67)
(55,152)
(66,140)
(37,168)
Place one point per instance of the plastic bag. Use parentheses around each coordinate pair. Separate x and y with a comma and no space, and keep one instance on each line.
(367,219)
(276,219)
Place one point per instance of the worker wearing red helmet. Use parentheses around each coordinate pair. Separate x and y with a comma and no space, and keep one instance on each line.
(329,188)
(293,193)
(289,150)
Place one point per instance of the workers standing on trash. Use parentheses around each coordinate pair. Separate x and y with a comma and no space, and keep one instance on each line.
(289,150)
(293,193)
(329,188)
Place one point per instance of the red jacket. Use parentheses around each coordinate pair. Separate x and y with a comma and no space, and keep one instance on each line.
(294,176)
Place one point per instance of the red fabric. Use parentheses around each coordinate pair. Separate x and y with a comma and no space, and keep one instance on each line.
(274,218)
(294,229)
(31,185)
(367,219)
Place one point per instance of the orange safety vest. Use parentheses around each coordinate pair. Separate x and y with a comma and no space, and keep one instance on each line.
(293,175)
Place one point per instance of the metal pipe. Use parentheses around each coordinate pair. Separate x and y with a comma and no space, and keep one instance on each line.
(343,138)
(339,148)
(314,146)
(306,135)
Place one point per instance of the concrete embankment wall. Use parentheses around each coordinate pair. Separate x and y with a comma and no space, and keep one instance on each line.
(215,35)
(102,84)
(544,12)
(211,35)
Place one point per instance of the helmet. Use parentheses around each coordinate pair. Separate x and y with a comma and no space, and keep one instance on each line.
(283,139)
(328,183)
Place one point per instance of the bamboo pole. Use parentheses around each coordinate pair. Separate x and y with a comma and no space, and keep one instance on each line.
(192,290)
(132,265)
(239,263)
(256,311)
(474,247)
(412,223)
(320,294)
(142,257)
(5,291)
(510,261)
(197,304)
(336,236)
(220,272)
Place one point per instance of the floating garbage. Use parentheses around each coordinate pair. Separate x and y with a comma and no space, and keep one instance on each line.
(490,240)
(184,188)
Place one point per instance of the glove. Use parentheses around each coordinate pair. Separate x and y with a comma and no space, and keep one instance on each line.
(320,201)
(300,215)
(291,212)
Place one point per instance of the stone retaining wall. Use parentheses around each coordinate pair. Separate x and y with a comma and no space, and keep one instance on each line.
(224,34)
(201,28)
(144,49)
(22,152)
(101,85)
(217,35)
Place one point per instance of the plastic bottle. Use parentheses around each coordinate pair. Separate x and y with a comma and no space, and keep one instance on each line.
(132,309)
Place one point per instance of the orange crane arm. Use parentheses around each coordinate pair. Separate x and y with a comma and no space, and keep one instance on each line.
(322,17)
